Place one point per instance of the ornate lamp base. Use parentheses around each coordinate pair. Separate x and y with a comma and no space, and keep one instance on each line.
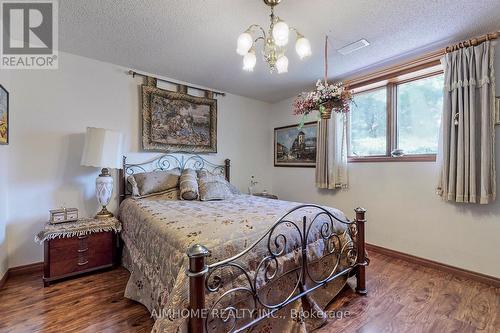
(104,213)
(104,190)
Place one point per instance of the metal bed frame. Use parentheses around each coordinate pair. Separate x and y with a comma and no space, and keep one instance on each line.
(207,278)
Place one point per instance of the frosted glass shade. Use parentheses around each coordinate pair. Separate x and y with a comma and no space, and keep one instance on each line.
(280,33)
(249,61)
(245,42)
(303,47)
(282,64)
(102,149)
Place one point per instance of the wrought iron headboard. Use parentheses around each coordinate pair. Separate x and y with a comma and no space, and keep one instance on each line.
(168,162)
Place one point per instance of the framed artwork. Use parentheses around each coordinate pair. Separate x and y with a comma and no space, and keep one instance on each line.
(294,147)
(175,122)
(4,116)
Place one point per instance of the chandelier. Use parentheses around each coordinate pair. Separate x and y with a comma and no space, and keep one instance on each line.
(275,42)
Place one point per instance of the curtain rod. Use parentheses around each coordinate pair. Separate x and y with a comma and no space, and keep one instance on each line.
(134,73)
(472,42)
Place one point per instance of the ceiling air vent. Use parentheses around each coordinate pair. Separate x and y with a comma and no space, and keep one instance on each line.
(354,47)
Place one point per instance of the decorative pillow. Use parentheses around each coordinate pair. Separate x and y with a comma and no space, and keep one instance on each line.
(211,177)
(214,187)
(172,194)
(155,182)
(188,185)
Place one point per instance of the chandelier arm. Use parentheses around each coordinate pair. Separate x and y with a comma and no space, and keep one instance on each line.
(259,38)
(257,26)
(297,33)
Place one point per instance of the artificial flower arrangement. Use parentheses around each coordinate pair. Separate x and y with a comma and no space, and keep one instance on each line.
(326,98)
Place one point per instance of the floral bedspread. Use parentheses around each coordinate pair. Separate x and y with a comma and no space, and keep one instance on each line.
(157,232)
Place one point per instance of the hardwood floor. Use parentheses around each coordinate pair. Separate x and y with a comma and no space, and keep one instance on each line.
(93,303)
(405,297)
(402,297)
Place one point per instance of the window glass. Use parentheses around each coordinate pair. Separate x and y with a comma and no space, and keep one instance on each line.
(368,123)
(419,107)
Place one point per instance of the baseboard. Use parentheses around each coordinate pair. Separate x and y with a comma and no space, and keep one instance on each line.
(22,270)
(483,278)
(479,277)
(26,269)
(3,279)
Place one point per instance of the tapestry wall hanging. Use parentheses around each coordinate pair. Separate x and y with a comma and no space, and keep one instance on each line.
(4,116)
(294,146)
(175,121)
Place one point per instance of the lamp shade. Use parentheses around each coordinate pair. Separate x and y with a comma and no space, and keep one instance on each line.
(102,149)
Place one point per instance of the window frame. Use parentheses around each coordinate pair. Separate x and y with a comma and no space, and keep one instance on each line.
(391,85)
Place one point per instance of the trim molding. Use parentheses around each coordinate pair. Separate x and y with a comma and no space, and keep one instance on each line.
(3,279)
(26,269)
(483,278)
(423,65)
(405,158)
(22,270)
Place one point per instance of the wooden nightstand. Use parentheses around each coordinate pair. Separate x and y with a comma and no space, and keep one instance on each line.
(266,195)
(75,248)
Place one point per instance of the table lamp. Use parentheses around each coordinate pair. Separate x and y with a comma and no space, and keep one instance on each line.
(103,149)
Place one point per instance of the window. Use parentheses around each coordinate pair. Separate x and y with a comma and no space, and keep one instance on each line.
(401,113)
(419,105)
(369,123)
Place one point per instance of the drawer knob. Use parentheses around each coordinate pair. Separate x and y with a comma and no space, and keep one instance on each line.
(83,263)
(83,250)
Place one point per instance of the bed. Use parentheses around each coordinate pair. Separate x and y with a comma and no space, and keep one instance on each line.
(242,264)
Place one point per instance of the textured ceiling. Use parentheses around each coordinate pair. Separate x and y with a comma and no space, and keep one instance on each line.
(195,40)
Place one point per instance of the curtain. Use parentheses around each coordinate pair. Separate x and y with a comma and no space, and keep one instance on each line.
(466,152)
(331,155)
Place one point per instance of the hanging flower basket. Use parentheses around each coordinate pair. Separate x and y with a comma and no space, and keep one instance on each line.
(325,99)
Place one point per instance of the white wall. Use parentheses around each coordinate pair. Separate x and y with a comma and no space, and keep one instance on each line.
(404,214)
(51,109)
(49,113)
(3,209)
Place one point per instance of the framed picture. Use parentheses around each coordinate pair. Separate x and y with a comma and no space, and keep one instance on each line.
(4,116)
(294,147)
(175,122)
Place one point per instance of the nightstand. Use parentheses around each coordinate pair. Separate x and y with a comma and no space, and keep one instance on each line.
(75,248)
(266,195)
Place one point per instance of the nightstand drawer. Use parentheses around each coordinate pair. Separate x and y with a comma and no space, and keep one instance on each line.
(67,248)
(68,256)
(81,262)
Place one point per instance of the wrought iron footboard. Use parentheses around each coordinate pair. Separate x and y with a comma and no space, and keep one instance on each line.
(345,248)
